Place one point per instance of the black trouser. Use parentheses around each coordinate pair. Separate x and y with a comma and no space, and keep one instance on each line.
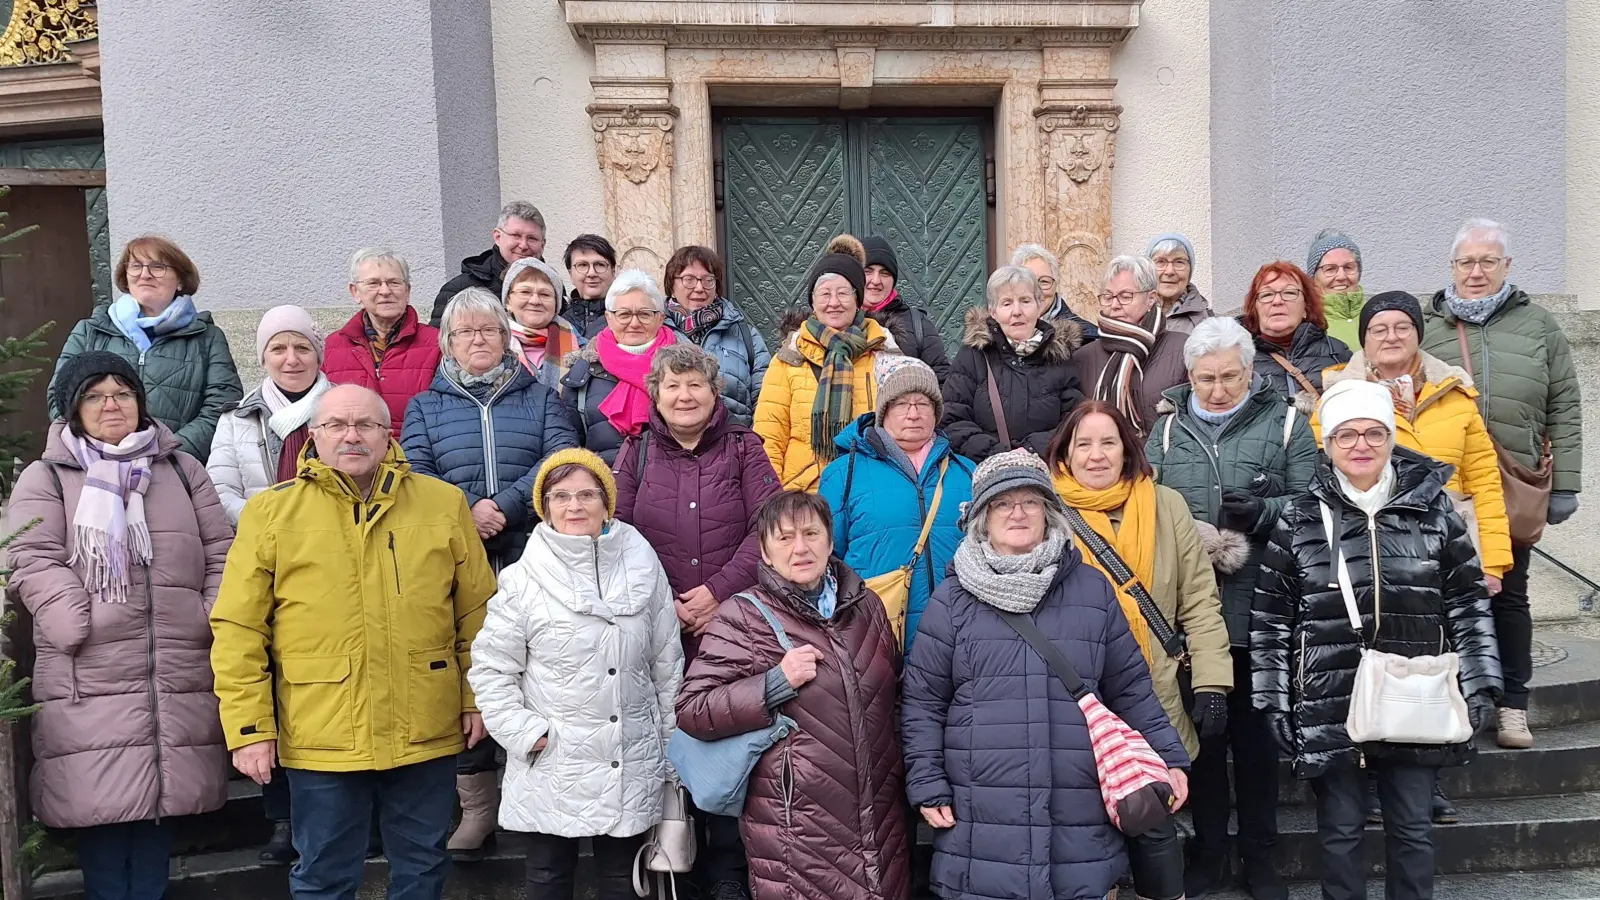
(1513,625)
(553,867)
(479,759)
(275,796)
(1406,794)
(721,855)
(1255,778)
(1155,860)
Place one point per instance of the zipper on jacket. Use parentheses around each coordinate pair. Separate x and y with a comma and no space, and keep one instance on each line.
(1216,467)
(395,558)
(491,469)
(150,678)
(786,784)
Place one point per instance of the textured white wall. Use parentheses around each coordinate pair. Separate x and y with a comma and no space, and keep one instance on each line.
(1583,152)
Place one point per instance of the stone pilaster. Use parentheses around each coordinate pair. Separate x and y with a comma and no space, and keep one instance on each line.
(1078,141)
(633,120)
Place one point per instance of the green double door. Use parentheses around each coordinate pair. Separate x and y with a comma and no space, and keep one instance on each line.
(791,184)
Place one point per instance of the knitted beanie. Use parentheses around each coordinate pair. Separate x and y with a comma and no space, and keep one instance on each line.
(1019,468)
(579,457)
(845,257)
(1329,239)
(1390,301)
(1188,245)
(288,317)
(1351,399)
(87,369)
(879,253)
(901,375)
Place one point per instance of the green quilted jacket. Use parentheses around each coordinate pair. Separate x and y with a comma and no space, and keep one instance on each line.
(189,376)
(1252,444)
(1522,367)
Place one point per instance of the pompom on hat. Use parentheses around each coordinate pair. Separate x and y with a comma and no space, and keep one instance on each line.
(846,257)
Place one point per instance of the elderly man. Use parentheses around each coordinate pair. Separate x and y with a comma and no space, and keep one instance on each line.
(1528,392)
(343,631)
(1046,270)
(1173,256)
(591,263)
(383,347)
(1137,355)
(519,235)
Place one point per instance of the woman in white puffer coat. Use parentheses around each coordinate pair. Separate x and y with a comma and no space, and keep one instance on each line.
(576,672)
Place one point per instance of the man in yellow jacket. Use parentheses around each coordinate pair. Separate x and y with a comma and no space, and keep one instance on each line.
(343,632)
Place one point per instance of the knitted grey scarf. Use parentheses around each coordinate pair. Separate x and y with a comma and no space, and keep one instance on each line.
(1476,311)
(1013,584)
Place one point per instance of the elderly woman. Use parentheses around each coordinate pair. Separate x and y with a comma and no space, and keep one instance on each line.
(823,377)
(1528,393)
(998,754)
(697,309)
(913,329)
(1237,452)
(534,296)
(119,574)
(1173,256)
(1136,356)
(1375,502)
(177,351)
(840,772)
(1082,310)
(1284,312)
(1010,352)
(604,386)
(1334,263)
(896,493)
(575,672)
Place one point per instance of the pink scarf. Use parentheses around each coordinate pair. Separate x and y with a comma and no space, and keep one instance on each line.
(886,301)
(628,405)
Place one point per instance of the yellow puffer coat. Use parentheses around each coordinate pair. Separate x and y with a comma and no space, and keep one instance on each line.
(357,615)
(1446,426)
(783,411)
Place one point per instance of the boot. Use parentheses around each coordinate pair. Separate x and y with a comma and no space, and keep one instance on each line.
(1205,873)
(1512,732)
(480,808)
(1261,878)
(1374,808)
(280,850)
(1444,812)
(729,890)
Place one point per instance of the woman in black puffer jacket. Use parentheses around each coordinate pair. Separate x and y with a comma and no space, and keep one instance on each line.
(1424,595)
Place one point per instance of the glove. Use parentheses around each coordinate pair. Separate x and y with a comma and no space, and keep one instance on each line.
(1240,511)
(1480,712)
(1210,714)
(1281,730)
(1562,505)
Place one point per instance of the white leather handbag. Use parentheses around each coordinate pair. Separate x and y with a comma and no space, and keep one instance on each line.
(670,848)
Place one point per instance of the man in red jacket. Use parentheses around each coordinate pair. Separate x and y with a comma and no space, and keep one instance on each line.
(384,347)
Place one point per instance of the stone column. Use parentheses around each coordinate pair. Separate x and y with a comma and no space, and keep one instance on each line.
(1078,125)
(633,121)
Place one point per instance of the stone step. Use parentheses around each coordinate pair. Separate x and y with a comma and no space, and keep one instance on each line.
(1569,884)
(1566,683)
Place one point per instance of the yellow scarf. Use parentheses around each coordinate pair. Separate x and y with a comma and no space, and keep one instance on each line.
(1134,541)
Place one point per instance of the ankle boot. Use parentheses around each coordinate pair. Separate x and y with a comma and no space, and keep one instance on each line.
(480,809)
(279,851)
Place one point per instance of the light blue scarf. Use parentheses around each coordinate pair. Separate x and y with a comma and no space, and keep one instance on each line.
(131,321)
(1476,311)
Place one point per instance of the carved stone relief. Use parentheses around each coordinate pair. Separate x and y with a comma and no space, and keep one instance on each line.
(1079,145)
(635,152)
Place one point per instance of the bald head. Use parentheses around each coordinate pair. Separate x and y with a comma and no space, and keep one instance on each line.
(351,431)
(352,397)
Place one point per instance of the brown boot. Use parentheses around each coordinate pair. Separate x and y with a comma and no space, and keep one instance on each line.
(480,808)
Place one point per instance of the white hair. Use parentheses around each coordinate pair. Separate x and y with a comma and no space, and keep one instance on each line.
(630,280)
(472,300)
(1482,230)
(1142,270)
(520,209)
(1026,252)
(1008,275)
(1170,245)
(378,255)
(1216,334)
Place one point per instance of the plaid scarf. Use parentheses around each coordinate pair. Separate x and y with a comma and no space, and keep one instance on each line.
(377,343)
(695,324)
(109,529)
(1130,347)
(834,406)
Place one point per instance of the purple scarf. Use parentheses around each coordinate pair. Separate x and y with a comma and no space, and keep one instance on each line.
(108,526)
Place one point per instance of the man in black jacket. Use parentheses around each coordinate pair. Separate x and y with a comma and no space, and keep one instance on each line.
(913,330)
(519,235)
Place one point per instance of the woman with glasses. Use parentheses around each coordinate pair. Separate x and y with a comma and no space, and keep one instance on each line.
(541,338)
(697,309)
(1284,312)
(1054,305)
(604,388)
(177,350)
(591,262)
(1136,356)
(1173,256)
(1334,264)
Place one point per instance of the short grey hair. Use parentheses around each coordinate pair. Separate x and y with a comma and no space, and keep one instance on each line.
(1483,230)
(1026,252)
(1170,245)
(1216,334)
(1141,268)
(680,359)
(472,300)
(1009,275)
(378,255)
(630,280)
(521,209)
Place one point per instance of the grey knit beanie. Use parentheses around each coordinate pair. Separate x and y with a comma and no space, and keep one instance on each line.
(901,375)
(1020,468)
(1329,239)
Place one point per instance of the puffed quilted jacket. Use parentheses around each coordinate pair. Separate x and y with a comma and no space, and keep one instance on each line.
(992,733)
(408,364)
(581,647)
(825,816)
(743,365)
(901,319)
(1429,594)
(1037,391)
(1310,350)
(585,386)
(245,453)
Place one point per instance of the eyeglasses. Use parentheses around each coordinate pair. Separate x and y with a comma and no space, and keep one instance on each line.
(1345,438)
(708,282)
(1170,265)
(522,237)
(1402,330)
(1208,382)
(467,334)
(825,295)
(1046,283)
(584,268)
(629,316)
(921,406)
(1123,299)
(155,269)
(1487,263)
(1332,269)
(372,284)
(1030,506)
(567,498)
(121,398)
(339,429)
(528,293)
(1287,295)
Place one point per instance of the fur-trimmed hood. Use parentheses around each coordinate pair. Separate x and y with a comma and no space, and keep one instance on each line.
(790,353)
(981,332)
(1435,371)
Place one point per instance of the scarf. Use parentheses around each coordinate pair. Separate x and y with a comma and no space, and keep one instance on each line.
(532,345)
(288,416)
(109,529)
(1025,349)
(1346,305)
(1405,389)
(628,405)
(1130,347)
(1134,540)
(695,324)
(139,328)
(1373,499)
(1214,422)
(833,407)
(378,344)
(889,298)
(1476,311)
(485,385)
(1013,584)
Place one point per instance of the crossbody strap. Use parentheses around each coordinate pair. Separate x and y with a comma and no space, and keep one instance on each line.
(772,620)
(933,512)
(1052,656)
(1483,393)
(1288,424)
(995,406)
(1173,643)
(1296,374)
(1342,574)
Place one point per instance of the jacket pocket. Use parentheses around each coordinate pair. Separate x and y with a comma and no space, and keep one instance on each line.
(316,702)
(434,682)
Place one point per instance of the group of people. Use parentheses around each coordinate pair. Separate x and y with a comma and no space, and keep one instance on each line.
(542,533)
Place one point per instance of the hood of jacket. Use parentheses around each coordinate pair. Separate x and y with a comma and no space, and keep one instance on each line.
(1345,304)
(1192,305)
(1301,344)
(799,347)
(355,330)
(390,472)
(609,576)
(55,447)
(1176,400)
(1436,373)
(851,590)
(1061,336)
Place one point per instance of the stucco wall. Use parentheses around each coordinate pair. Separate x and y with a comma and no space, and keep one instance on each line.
(1583,152)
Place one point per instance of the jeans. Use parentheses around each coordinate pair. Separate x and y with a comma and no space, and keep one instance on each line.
(275,796)
(125,861)
(1406,794)
(479,759)
(1255,778)
(331,813)
(553,867)
(1155,859)
(1513,625)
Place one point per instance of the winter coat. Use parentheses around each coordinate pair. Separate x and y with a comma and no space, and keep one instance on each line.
(1304,652)
(877,530)
(1344,316)
(484,270)
(588,317)
(1527,383)
(345,622)
(825,815)
(1165,370)
(1061,311)
(408,364)
(490,450)
(916,333)
(1037,390)
(992,733)
(1254,454)
(1447,427)
(1191,309)
(189,376)
(1311,350)
(244,454)
(127,729)
(581,648)
(783,411)
(585,386)
(743,358)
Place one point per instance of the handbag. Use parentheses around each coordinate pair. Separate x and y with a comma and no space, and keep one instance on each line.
(894,586)
(995,407)
(1397,699)
(717,773)
(669,849)
(1468,511)
(1526,491)
(1134,783)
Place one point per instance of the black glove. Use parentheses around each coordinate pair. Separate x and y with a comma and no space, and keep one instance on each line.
(1210,714)
(1240,511)
(1282,732)
(1480,712)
